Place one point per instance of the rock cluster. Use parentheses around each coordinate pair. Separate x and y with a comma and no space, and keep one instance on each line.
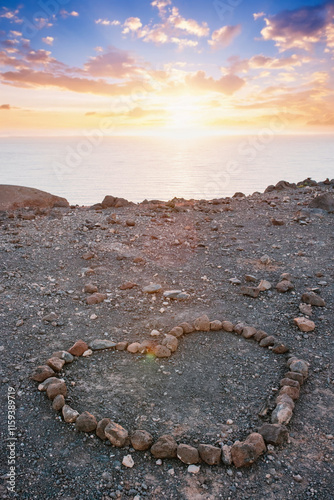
(240,454)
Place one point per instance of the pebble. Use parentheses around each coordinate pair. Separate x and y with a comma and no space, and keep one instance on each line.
(155,333)
(194,469)
(250,291)
(265,259)
(128,461)
(304,324)
(202,323)
(99,345)
(235,281)
(313,299)
(87,353)
(154,288)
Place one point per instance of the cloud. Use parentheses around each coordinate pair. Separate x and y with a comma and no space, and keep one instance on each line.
(190,26)
(300,28)
(48,40)
(161,6)
(11,15)
(224,36)
(115,63)
(260,61)
(228,84)
(107,22)
(65,14)
(132,24)
(258,15)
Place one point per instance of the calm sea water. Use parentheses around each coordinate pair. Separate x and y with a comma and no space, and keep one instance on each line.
(155,168)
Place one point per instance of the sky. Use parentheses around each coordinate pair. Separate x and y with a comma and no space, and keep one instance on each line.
(166,67)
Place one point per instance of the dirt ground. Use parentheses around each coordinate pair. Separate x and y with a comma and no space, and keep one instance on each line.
(214,377)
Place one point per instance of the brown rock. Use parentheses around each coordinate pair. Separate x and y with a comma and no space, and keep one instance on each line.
(211,455)
(186,327)
(187,454)
(293,392)
(257,441)
(86,422)
(313,299)
(280,349)
(90,288)
(226,454)
(102,424)
(41,373)
(295,376)
(49,318)
(134,347)
(171,342)
(304,324)
(88,256)
(161,351)
(250,291)
(78,348)
(117,435)
(177,331)
(264,285)
(127,286)
(45,384)
(306,309)
(202,323)
(291,382)
(141,440)
(282,414)
(69,414)
(58,402)
(238,328)
(243,454)
(56,364)
(165,447)
(121,346)
(227,326)
(299,366)
(277,222)
(56,388)
(284,286)
(248,332)
(274,434)
(260,334)
(130,223)
(14,197)
(96,298)
(285,399)
(216,325)
(268,341)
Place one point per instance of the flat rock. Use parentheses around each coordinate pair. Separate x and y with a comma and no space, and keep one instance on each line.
(313,299)
(96,298)
(187,454)
(100,345)
(154,288)
(65,355)
(280,349)
(250,291)
(15,197)
(264,285)
(304,324)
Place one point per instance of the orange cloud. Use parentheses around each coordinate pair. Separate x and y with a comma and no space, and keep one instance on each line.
(224,36)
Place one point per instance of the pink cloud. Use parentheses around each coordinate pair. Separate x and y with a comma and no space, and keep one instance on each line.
(228,84)
(224,36)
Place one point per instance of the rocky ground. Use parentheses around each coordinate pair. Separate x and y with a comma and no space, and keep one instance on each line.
(213,388)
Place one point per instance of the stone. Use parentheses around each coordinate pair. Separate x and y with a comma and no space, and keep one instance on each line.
(304,324)
(15,197)
(128,285)
(193,469)
(244,453)
(56,388)
(134,347)
(172,294)
(260,334)
(282,414)
(313,299)
(128,461)
(117,435)
(226,454)
(267,341)
(186,327)
(295,376)
(291,382)
(202,323)
(86,422)
(87,353)
(78,348)
(211,455)
(121,346)
(284,286)
(280,349)
(165,447)
(56,364)
(250,278)
(274,434)
(100,428)
(265,259)
(49,318)
(216,325)
(41,373)
(69,414)
(161,351)
(187,454)
(114,202)
(306,309)
(293,392)
(250,291)
(235,281)
(285,399)
(177,331)
(100,345)
(248,332)
(299,366)
(238,328)
(153,288)
(44,385)
(96,298)
(324,202)
(88,256)
(227,326)
(141,440)
(286,276)
(171,342)
(58,402)
(130,222)
(264,285)
(90,288)
(257,441)
(65,355)
(277,222)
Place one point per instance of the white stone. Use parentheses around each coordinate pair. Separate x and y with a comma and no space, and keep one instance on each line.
(128,461)
(193,469)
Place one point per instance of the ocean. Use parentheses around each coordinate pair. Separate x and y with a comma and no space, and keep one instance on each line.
(85,169)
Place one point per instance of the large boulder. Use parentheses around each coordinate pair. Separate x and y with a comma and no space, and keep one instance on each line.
(324,201)
(114,202)
(15,197)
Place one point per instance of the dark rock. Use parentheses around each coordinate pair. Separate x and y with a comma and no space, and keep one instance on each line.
(165,447)
(187,454)
(86,422)
(211,455)
(313,299)
(141,440)
(112,202)
(324,202)
(41,373)
(251,291)
(274,434)
(102,424)
(56,388)
(268,341)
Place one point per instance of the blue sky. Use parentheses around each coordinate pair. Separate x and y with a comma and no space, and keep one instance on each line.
(65,64)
